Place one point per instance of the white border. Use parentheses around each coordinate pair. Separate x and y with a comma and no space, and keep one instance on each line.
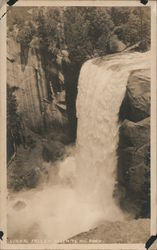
(3,198)
(3,169)
(104,3)
(153,119)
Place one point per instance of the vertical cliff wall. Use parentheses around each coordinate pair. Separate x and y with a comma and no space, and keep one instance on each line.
(25,70)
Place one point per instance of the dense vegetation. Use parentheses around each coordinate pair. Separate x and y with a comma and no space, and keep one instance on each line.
(83,31)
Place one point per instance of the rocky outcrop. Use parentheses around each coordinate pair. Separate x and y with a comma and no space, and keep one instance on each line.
(115,45)
(134,145)
(123,231)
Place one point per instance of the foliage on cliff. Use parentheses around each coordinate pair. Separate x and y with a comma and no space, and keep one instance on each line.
(13,122)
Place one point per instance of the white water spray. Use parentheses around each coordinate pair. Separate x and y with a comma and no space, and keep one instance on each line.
(82,196)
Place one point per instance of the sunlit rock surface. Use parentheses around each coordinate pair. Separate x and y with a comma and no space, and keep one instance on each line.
(37,102)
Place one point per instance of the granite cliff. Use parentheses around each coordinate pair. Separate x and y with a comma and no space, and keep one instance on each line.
(38,103)
(134,145)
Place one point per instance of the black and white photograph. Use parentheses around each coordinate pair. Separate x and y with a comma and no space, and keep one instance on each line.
(78,124)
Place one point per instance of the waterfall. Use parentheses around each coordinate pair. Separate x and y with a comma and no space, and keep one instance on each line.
(102,86)
(81,196)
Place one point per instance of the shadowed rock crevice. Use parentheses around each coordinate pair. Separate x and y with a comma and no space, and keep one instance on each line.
(71,74)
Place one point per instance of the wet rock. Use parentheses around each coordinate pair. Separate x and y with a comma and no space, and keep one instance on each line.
(53,151)
(31,179)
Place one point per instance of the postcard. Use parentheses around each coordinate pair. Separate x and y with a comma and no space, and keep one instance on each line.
(78,125)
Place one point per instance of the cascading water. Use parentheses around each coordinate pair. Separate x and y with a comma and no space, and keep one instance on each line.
(82,196)
(102,86)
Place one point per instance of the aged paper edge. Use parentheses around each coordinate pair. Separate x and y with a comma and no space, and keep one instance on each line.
(3,168)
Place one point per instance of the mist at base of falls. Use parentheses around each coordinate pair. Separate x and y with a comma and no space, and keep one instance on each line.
(81,197)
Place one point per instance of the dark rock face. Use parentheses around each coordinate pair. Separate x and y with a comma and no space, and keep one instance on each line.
(134,145)
(71,74)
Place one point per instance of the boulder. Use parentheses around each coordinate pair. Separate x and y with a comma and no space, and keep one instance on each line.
(136,104)
(135,134)
(115,45)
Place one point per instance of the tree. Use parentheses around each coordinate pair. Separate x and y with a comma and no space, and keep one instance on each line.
(132,25)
